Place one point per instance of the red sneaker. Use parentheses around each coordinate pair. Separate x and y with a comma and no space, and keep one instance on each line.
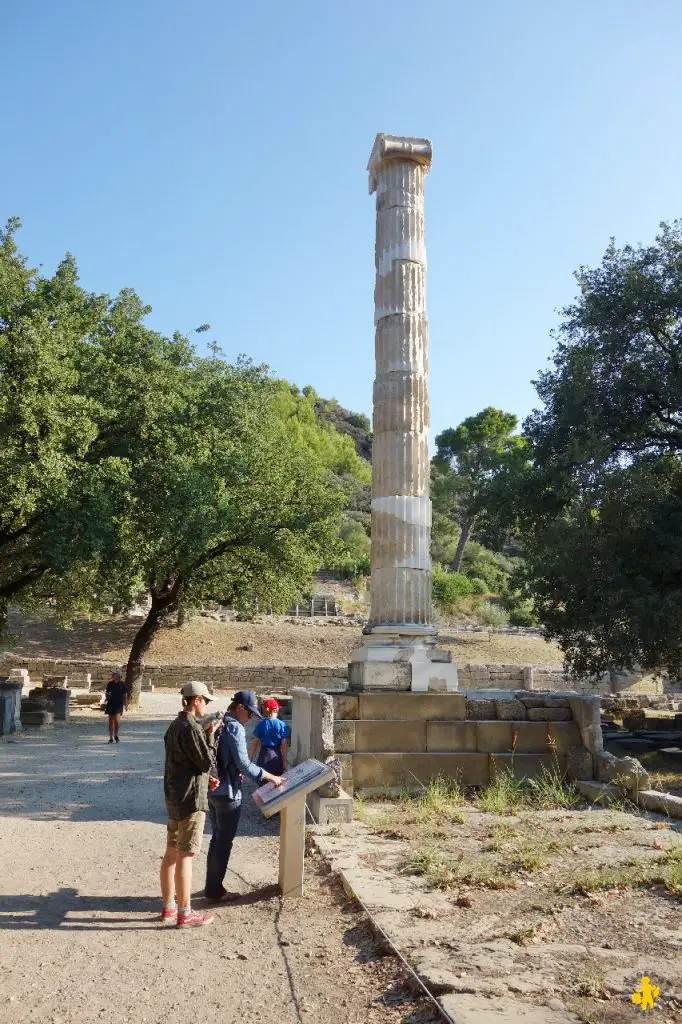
(169,914)
(193,920)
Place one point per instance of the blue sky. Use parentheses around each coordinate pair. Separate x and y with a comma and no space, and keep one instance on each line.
(212,156)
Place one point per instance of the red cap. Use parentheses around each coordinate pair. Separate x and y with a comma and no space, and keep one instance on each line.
(270,705)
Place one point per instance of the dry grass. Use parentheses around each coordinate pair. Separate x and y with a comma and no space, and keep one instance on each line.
(275,642)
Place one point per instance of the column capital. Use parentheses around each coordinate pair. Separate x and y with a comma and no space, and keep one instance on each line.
(397,147)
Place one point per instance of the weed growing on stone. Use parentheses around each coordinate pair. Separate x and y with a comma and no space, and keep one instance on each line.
(664,870)
(445,872)
(440,801)
(505,794)
(550,791)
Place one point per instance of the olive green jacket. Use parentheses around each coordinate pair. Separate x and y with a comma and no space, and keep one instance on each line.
(190,756)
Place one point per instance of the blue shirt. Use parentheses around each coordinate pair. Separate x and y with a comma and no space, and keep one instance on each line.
(271,732)
(232,759)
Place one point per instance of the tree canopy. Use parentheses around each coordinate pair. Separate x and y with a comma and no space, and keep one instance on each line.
(602,509)
(470,464)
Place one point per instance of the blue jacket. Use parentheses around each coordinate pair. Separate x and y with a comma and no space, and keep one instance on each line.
(232,759)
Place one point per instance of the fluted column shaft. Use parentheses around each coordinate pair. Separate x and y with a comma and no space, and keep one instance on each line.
(401,508)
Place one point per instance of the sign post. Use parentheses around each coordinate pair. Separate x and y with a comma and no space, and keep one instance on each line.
(289,800)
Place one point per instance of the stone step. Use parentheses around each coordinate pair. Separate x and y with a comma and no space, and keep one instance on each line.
(380,771)
(433,736)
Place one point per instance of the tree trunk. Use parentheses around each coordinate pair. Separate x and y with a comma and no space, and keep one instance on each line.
(165,602)
(461,544)
(182,617)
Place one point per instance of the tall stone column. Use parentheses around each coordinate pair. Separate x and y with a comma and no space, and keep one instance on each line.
(396,655)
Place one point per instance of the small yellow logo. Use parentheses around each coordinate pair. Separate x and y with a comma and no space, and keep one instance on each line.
(646,995)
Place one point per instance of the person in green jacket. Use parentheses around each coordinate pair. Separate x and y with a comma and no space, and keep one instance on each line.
(190,756)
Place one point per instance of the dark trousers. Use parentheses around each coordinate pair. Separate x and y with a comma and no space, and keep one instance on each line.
(224,816)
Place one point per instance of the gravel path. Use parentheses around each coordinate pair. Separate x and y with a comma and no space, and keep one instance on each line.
(83,829)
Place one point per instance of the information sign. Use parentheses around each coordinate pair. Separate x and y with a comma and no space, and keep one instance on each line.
(289,800)
(304,778)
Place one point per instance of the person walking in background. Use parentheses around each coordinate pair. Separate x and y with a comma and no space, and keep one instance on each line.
(272,735)
(115,703)
(225,801)
(190,756)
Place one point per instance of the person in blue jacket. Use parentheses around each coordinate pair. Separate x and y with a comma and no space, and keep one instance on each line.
(272,735)
(225,801)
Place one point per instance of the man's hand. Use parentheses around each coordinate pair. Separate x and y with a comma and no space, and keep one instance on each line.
(276,780)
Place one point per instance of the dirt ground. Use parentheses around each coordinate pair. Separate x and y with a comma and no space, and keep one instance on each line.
(538,915)
(83,830)
(204,641)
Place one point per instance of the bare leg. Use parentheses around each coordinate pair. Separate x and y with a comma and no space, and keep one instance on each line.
(183,879)
(168,868)
(111,726)
(117,723)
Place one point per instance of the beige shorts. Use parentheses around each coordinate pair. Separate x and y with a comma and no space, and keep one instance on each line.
(185,834)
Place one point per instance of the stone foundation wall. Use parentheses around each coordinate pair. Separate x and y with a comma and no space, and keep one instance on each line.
(279,678)
(283,678)
(405,739)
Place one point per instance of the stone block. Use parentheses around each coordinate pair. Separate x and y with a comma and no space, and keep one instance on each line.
(301,722)
(549,715)
(663,803)
(586,714)
(531,702)
(344,737)
(412,707)
(331,810)
(557,702)
(379,675)
(412,771)
(480,710)
(394,737)
(36,719)
(346,763)
(626,772)
(562,735)
(526,766)
(321,726)
(579,763)
(346,706)
(529,737)
(450,736)
(510,710)
(492,737)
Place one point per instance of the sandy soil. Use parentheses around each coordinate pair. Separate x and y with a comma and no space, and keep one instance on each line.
(207,642)
(82,828)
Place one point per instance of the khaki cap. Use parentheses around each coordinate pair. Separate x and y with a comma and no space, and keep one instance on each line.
(196,689)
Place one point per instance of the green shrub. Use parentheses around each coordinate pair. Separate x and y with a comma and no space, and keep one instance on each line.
(493,569)
(521,609)
(492,614)
(478,585)
(449,588)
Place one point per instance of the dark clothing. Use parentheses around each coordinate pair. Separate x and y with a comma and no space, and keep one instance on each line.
(224,815)
(189,758)
(233,761)
(115,698)
(270,758)
(225,802)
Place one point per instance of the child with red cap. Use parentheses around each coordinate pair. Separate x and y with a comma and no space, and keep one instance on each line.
(272,735)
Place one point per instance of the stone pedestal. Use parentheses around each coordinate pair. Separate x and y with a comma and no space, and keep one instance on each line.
(397,654)
(10,706)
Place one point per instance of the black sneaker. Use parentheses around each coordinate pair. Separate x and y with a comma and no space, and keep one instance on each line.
(117,739)
(111,739)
